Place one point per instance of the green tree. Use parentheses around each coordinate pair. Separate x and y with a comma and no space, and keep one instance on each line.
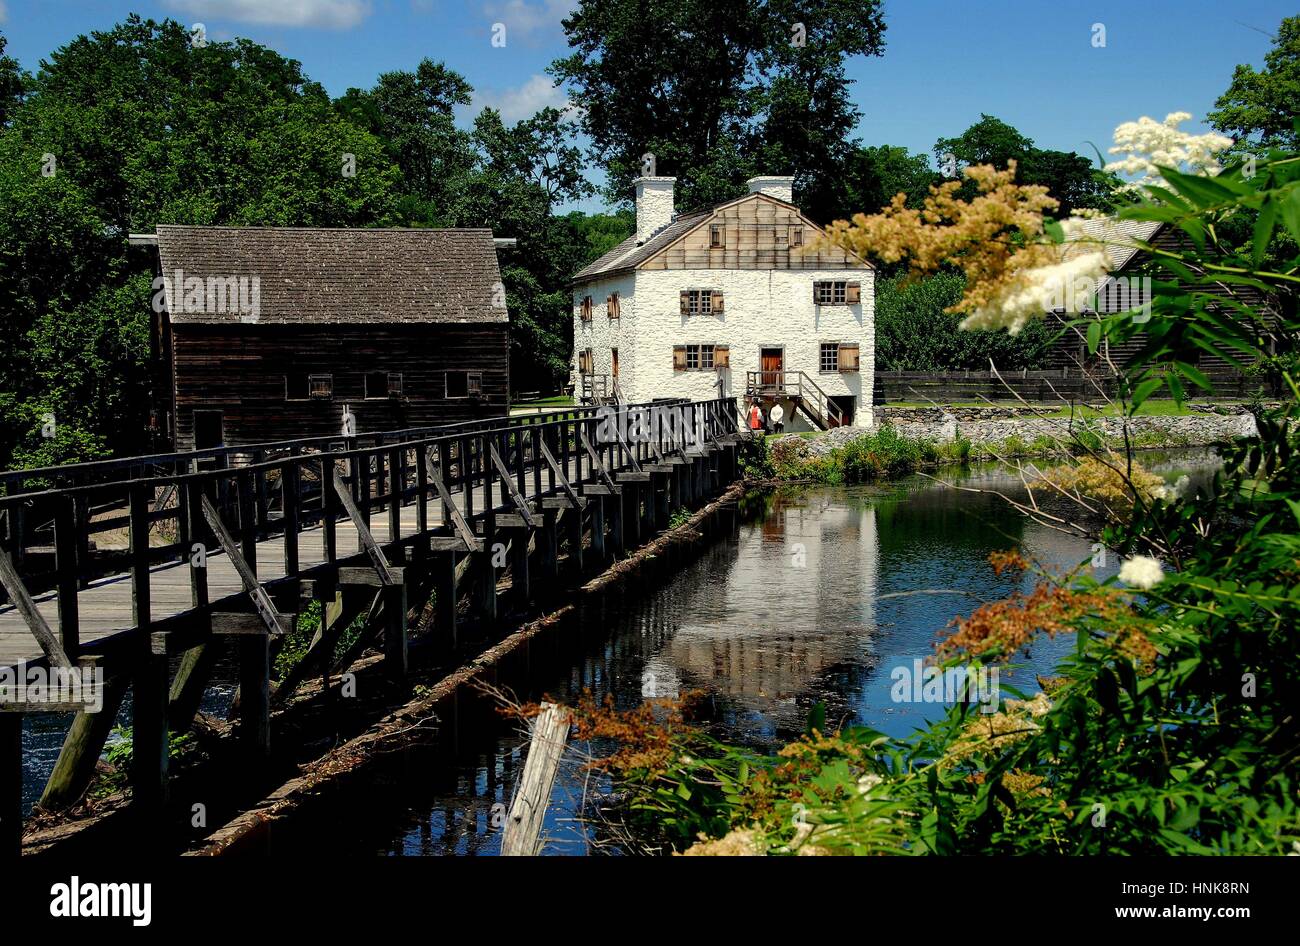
(1068,177)
(1260,108)
(914,333)
(718,91)
(12,83)
(873,175)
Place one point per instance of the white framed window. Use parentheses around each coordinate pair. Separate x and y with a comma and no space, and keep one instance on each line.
(830,356)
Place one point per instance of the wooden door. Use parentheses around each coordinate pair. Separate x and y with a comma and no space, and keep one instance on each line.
(771,363)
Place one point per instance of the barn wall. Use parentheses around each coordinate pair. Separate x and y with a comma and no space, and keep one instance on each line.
(241,370)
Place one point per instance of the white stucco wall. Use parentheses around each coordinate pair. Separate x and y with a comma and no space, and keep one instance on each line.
(762,308)
(602,333)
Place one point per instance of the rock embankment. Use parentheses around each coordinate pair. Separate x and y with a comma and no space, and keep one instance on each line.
(997,425)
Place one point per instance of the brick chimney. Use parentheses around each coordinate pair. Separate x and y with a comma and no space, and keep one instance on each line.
(654,205)
(782,188)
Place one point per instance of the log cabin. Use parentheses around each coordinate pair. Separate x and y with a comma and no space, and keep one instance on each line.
(266,334)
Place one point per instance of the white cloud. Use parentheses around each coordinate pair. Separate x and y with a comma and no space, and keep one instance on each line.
(525,19)
(328,14)
(523,101)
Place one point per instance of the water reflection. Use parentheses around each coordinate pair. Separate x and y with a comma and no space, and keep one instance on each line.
(800,606)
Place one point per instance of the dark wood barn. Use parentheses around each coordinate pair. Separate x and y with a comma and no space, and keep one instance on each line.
(1123,289)
(278,333)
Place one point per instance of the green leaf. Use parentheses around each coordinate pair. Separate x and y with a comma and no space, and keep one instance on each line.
(1290,210)
(1094,337)
(1145,390)
(1264,224)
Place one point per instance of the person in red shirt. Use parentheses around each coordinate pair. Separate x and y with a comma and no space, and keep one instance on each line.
(755,416)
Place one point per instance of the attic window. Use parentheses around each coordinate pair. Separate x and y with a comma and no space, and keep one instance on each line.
(717,236)
(796,236)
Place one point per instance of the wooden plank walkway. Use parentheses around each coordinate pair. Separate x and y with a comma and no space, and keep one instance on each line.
(105,607)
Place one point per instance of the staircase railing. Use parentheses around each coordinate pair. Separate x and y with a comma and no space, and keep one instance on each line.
(800,388)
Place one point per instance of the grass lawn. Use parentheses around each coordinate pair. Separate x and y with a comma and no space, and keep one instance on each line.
(559,400)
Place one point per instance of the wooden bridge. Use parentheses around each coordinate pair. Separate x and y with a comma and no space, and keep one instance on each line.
(117,566)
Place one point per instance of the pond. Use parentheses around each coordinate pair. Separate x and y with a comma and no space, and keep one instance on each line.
(810,601)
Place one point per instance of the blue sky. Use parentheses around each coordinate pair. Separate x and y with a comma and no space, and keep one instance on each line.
(1031,63)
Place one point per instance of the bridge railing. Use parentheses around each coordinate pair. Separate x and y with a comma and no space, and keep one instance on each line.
(159,520)
(98,507)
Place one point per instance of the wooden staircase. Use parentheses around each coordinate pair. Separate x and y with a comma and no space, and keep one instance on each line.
(796,387)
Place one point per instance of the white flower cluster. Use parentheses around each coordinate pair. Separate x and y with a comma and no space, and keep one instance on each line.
(1066,285)
(1142,572)
(1148,144)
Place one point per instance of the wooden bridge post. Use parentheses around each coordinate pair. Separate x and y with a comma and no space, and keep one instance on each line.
(617,538)
(254,649)
(519,567)
(74,769)
(444,585)
(548,541)
(487,587)
(597,506)
(395,629)
(11,784)
(150,738)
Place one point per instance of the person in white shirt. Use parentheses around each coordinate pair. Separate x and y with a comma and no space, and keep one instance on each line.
(776,416)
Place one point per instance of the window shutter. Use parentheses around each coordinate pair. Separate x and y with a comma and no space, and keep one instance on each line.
(853,293)
(849,357)
(816,298)
(721,356)
(716,302)
(685,299)
(679,357)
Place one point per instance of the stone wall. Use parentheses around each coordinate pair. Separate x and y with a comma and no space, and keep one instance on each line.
(994,425)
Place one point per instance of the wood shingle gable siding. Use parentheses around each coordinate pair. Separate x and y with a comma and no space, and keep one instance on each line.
(757,232)
(340,276)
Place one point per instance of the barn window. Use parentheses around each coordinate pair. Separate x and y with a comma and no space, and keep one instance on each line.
(796,236)
(320,385)
(584,361)
(612,308)
(474,383)
(295,387)
(457,384)
(383,384)
(586,308)
(717,236)
(830,356)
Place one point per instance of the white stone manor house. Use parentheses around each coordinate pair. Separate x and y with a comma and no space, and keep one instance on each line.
(741,299)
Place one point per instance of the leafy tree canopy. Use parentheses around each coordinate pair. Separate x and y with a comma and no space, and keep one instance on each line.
(1260,107)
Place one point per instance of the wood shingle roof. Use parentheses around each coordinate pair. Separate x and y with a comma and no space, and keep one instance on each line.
(308,275)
